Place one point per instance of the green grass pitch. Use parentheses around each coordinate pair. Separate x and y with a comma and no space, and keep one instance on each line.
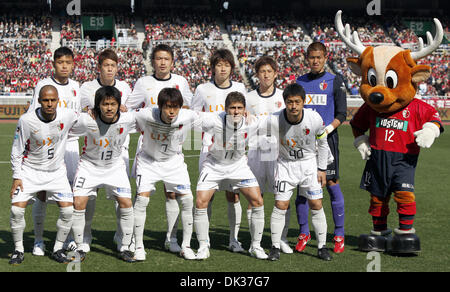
(432,224)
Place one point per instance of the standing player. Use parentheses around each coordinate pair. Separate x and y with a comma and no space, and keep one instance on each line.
(107,67)
(326,95)
(210,97)
(226,166)
(37,159)
(301,164)
(263,101)
(68,89)
(101,165)
(145,94)
(160,158)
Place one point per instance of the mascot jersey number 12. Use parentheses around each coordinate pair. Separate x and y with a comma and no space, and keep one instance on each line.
(399,125)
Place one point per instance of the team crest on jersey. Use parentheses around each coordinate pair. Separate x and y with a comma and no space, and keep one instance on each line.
(278,104)
(306,131)
(61,126)
(180,127)
(406,113)
(120,130)
(177,86)
(323,85)
(74,92)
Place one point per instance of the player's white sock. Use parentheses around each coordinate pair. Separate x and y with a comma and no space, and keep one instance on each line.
(249,218)
(117,209)
(17,223)
(187,219)
(63,226)
(234,219)
(140,213)
(257,225)
(277,221)
(172,212)
(38,213)
(89,216)
(319,223)
(286,224)
(78,225)
(201,225)
(126,224)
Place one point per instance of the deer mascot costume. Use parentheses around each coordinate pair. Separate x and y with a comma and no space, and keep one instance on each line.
(399,126)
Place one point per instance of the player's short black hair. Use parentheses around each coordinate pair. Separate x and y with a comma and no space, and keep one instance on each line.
(316,46)
(107,54)
(61,52)
(162,47)
(266,60)
(170,94)
(233,97)
(294,90)
(106,92)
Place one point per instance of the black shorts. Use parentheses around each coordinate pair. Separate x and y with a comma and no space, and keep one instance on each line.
(386,172)
(333,168)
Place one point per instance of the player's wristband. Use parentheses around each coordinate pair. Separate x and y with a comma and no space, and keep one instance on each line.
(329,128)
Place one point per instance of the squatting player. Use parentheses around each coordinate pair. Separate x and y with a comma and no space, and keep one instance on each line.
(145,95)
(225,167)
(37,159)
(300,163)
(68,93)
(107,66)
(101,165)
(160,158)
(210,97)
(325,94)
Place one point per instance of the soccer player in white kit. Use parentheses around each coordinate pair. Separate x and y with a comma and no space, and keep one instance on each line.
(160,158)
(210,97)
(302,161)
(145,95)
(107,67)
(68,92)
(225,167)
(37,159)
(263,101)
(101,165)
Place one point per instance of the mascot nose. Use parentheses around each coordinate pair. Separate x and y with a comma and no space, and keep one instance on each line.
(376,97)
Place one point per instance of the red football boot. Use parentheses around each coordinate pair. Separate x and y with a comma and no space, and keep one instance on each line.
(302,241)
(338,244)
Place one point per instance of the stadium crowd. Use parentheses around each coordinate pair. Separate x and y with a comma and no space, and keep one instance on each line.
(194,37)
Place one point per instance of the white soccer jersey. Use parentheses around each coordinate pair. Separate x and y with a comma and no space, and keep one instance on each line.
(102,141)
(210,98)
(298,141)
(147,88)
(162,141)
(88,89)
(259,105)
(39,144)
(68,94)
(229,141)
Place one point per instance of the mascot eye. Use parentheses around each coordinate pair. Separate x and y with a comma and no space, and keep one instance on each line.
(372,77)
(391,79)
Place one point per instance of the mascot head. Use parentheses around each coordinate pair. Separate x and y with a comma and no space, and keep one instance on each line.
(390,75)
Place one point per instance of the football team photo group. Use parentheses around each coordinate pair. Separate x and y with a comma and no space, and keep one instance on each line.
(268,153)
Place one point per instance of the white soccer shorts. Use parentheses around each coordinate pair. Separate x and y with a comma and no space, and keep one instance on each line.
(173,173)
(263,170)
(55,184)
(230,177)
(289,174)
(114,179)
